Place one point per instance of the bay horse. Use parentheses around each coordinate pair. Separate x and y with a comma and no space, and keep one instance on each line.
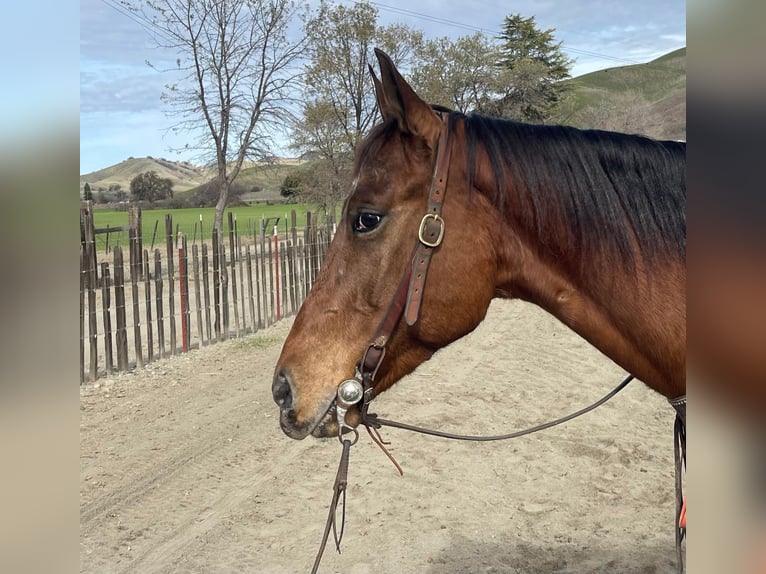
(589,225)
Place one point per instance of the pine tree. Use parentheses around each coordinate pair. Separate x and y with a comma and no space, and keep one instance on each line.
(535,65)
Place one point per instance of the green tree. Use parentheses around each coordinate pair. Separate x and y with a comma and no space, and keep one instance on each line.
(339,101)
(238,68)
(291,184)
(87,194)
(461,75)
(149,186)
(535,66)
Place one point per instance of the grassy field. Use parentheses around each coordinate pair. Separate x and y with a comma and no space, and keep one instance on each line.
(185,220)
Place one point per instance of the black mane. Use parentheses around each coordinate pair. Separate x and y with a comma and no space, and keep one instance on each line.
(610,190)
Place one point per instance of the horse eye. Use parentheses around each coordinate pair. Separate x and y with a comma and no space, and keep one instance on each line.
(366,221)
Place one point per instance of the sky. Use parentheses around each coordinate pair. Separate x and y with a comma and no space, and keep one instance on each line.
(121,114)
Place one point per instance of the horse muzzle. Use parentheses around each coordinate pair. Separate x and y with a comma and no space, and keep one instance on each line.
(322,424)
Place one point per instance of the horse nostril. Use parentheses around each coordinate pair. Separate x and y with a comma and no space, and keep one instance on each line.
(282,390)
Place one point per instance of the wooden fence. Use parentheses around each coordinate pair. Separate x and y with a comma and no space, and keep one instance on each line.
(180,298)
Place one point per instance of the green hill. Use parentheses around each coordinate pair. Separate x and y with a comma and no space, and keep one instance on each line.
(183,174)
(645,98)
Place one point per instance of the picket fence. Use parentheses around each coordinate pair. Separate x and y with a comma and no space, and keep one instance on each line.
(180,298)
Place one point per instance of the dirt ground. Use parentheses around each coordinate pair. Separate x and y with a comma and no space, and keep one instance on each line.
(184,467)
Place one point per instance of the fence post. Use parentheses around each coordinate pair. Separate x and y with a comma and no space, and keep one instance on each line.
(276,273)
(171,281)
(134,274)
(283,264)
(88,236)
(182,294)
(293,250)
(272,315)
(263,319)
(119,295)
(233,273)
(216,286)
(238,240)
(249,266)
(206,292)
(158,294)
(224,292)
(106,309)
(197,294)
(148,303)
(135,240)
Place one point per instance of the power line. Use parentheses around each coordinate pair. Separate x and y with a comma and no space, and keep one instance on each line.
(439,20)
(139,19)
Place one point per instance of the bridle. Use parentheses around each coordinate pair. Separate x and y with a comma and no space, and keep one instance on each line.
(406,303)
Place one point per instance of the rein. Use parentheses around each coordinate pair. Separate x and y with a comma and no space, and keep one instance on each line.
(406,304)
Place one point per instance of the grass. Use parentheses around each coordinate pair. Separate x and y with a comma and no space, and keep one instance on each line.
(256,342)
(188,220)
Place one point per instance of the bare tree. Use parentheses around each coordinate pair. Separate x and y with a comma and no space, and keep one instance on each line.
(462,74)
(339,100)
(239,67)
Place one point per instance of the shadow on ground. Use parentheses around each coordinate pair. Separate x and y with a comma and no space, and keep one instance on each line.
(466,556)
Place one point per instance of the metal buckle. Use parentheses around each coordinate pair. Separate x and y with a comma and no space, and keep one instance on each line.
(421,232)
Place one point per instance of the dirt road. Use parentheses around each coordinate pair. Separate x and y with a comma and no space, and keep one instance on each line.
(184,468)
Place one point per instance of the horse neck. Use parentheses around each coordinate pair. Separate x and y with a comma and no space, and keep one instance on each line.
(612,306)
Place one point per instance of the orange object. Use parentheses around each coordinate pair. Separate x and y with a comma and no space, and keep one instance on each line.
(682,515)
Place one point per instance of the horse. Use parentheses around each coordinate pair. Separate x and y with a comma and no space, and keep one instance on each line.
(589,225)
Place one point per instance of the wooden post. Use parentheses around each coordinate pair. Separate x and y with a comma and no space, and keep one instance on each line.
(283,265)
(272,299)
(291,274)
(88,236)
(233,274)
(148,304)
(224,293)
(306,262)
(154,233)
(135,271)
(258,302)
(197,295)
(277,284)
(106,311)
(171,281)
(206,292)
(158,294)
(182,296)
(293,249)
(263,295)
(121,336)
(216,286)
(135,241)
(241,278)
(249,265)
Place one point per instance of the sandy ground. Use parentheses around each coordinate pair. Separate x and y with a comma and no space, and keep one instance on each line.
(184,468)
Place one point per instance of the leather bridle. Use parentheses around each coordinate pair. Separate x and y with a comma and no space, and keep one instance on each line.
(406,303)
(408,296)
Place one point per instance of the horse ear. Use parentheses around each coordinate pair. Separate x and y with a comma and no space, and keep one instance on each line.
(380,96)
(397,99)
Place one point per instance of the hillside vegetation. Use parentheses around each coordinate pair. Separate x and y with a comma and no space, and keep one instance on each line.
(183,174)
(648,99)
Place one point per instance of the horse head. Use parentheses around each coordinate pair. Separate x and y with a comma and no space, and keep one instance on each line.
(369,255)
